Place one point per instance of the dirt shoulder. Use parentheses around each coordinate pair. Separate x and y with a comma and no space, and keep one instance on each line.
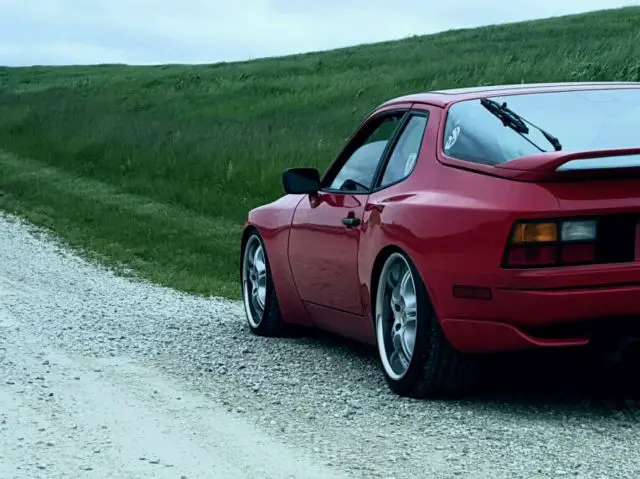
(73,416)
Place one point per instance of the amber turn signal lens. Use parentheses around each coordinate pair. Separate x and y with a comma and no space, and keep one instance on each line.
(535,233)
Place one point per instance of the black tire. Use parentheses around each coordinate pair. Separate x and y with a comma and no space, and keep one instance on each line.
(436,368)
(267,322)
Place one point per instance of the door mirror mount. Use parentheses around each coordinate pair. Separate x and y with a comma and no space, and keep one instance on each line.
(296,181)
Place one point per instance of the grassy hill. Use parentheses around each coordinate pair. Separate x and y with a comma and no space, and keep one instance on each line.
(156,167)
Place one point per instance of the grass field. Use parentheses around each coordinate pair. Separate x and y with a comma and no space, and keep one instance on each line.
(156,167)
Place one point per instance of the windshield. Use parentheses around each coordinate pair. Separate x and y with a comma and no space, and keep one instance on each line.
(580,120)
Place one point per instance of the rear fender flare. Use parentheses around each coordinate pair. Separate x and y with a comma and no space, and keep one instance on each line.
(381,257)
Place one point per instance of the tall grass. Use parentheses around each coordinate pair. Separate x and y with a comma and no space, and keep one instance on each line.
(156,167)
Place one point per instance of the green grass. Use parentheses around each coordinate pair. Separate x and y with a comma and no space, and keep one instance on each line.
(156,167)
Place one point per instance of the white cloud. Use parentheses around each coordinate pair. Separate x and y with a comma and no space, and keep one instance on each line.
(194,31)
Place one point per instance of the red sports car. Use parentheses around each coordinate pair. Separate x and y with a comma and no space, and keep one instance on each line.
(461,222)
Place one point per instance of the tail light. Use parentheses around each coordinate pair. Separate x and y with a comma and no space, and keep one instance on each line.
(552,243)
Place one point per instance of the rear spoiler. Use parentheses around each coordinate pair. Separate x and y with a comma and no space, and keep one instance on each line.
(562,166)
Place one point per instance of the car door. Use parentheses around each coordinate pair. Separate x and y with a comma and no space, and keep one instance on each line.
(325,231)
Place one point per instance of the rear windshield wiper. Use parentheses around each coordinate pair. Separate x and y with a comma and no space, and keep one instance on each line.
(516,122)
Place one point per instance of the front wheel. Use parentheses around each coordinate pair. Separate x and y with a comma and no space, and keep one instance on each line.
(417,359)
(258,295)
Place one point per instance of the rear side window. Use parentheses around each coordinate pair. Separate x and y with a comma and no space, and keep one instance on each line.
(405,152)
(582,120)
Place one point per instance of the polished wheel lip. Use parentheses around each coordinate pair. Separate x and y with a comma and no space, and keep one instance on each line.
(396,316)
(254,280)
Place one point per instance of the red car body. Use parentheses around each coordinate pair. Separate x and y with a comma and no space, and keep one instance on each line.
(455,218)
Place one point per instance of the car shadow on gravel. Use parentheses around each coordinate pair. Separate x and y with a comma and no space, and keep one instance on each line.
(567,381)
(550,384)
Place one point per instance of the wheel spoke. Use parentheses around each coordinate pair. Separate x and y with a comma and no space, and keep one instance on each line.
(411,323)
(396,302)
(410,312)
(397,316)
(409,338)
(257,300)
(258,260)
(407,289)
(400,347)
(255,281)
(396,339)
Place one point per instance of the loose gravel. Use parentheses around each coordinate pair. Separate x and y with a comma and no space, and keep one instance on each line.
(314,392)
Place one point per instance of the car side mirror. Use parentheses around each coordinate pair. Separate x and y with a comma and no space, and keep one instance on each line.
(298,181)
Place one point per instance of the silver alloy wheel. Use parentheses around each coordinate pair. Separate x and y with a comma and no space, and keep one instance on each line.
(396,316)
(254,281)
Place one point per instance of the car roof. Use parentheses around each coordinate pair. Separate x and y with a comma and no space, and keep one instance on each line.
(443,98)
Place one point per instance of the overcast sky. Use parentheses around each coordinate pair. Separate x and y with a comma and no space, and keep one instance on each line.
(205,31)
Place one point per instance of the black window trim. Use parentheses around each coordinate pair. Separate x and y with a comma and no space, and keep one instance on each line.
(334,169)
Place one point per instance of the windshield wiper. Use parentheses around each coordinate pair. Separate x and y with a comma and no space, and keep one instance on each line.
(516,122)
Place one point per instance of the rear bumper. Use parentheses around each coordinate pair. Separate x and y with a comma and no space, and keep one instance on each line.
(473,336)
(540,308)
(547,313)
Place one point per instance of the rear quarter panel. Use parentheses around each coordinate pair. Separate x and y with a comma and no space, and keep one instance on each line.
(273,222)
(453,223)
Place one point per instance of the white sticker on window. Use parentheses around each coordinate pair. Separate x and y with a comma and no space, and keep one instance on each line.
(411,161)
(452,138)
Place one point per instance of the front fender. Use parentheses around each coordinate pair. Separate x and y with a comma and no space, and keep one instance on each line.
(273,222)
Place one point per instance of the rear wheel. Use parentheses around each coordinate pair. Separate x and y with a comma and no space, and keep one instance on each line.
(417,360)
(258,295)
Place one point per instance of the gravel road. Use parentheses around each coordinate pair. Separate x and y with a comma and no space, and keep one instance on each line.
(103,376)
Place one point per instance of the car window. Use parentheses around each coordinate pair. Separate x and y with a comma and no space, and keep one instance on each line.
(580,120)
(405,153)
(358,171)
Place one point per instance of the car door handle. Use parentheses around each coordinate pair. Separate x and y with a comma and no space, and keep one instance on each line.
(350,221)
